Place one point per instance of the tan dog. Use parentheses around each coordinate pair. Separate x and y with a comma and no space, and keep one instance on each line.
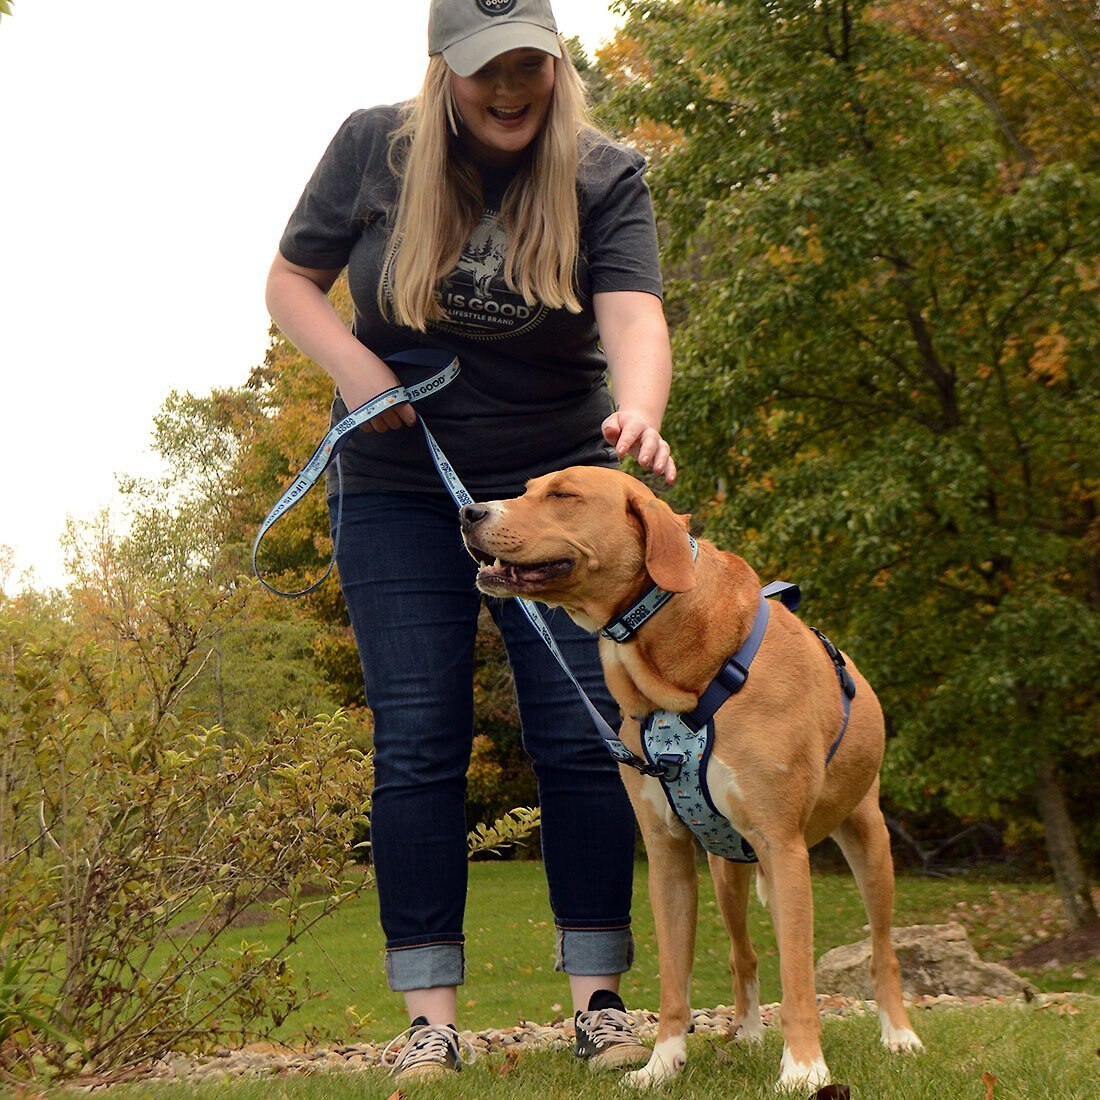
(592,540)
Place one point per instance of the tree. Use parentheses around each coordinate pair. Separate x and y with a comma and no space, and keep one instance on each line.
(1033,64)
(887,379)
(187,529)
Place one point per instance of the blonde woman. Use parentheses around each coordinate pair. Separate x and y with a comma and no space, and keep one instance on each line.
(488,218)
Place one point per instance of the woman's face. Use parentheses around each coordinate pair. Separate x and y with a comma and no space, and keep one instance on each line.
(504,104)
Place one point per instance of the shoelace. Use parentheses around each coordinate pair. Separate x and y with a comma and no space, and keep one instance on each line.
(426,1043)
(608,1025)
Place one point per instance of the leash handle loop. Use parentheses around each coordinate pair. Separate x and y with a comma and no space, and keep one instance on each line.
(339,435)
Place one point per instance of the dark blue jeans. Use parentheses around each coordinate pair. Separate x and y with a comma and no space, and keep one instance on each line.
(409,587)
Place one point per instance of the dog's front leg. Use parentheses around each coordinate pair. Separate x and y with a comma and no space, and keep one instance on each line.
(787,866)
(732,884)
(673,895)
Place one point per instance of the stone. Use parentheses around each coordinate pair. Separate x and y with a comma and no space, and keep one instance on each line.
(935,959)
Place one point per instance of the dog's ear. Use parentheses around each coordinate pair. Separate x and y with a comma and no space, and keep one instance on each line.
(668,557)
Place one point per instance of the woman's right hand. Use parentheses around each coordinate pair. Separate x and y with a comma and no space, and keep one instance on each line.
(369,381)
(297,301)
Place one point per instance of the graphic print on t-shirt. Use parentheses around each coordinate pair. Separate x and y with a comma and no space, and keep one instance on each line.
(478,302)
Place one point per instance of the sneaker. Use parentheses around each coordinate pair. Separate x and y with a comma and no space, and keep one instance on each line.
(428,1050)
(606,1035)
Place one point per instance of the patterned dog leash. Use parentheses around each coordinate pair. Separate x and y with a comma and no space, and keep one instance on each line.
(328,451)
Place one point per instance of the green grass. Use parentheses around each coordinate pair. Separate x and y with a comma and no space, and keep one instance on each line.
(510,948)
(1038,1053)
(1034,1054)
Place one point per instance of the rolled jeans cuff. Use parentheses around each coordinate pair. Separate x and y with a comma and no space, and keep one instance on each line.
(425,966)
(592,952)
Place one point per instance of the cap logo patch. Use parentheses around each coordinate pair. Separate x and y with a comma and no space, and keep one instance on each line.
(496,7)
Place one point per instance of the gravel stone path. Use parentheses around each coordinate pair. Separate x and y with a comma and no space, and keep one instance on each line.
(269,1061)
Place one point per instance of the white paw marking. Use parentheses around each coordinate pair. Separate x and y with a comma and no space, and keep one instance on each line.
(749,1028)
(900,1040)
(801,1075)
(668,1058)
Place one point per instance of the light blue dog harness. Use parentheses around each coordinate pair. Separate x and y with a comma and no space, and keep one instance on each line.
(677,747)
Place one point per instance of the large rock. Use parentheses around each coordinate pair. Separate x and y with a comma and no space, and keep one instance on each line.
(934,958)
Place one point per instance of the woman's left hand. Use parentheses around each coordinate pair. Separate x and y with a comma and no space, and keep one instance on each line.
(632,434)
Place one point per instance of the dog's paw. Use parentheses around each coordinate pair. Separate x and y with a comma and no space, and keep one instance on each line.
(900,1040)
(668,1058)
(801,1076)
(749,1030)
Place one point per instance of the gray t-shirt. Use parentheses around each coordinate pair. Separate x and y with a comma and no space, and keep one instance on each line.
(532,392)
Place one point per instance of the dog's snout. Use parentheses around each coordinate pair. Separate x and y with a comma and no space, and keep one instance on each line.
(472,514)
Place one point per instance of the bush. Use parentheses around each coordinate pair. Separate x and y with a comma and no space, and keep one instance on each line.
(131,840)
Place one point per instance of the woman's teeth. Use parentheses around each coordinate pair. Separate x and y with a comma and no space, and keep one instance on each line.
(507,114)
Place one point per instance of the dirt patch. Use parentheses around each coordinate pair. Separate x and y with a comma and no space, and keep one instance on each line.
(246,918)
(1069,947)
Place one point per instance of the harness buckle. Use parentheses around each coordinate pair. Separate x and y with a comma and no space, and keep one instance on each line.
(834,654)
(732,676)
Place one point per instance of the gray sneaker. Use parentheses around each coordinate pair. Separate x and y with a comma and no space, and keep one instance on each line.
(426,1050)
(606,1035)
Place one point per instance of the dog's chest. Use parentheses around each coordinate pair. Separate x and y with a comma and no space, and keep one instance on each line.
(636,685)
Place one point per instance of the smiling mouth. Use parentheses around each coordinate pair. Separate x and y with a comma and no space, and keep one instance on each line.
(509,114)
(498,577)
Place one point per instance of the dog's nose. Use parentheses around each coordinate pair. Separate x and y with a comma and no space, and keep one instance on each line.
(472,514)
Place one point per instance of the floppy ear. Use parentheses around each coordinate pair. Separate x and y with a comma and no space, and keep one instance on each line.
(668,557)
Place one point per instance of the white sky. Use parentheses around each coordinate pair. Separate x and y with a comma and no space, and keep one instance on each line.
(150,154)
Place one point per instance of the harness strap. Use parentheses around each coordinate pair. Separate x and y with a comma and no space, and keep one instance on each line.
(733,674)
(847,689)
(680,744)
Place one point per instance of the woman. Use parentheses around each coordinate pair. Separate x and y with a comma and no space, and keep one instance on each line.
(488,218)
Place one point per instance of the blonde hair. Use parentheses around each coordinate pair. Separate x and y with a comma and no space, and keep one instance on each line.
(441,201)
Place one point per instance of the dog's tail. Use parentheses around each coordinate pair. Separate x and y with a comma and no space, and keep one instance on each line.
(761,886)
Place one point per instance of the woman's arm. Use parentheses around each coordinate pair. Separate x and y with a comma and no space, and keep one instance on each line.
(639,359)
(297,302)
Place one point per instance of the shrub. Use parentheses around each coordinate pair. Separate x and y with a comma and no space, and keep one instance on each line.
(131,840)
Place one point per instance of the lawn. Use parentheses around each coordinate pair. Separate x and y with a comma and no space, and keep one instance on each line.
(1020,1052)
(510,943)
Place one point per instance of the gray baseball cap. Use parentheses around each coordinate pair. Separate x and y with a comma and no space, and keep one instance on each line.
(470,33)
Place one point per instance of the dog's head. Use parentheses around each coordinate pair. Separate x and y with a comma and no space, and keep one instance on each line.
(585,538)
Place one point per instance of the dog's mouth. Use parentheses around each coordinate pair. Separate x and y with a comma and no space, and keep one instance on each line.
(498,577)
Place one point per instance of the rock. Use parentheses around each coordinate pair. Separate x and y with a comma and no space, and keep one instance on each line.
(935,959)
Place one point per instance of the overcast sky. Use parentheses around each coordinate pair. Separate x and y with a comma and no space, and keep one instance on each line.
(150,154)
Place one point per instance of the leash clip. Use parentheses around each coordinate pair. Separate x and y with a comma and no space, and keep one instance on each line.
(671,764)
